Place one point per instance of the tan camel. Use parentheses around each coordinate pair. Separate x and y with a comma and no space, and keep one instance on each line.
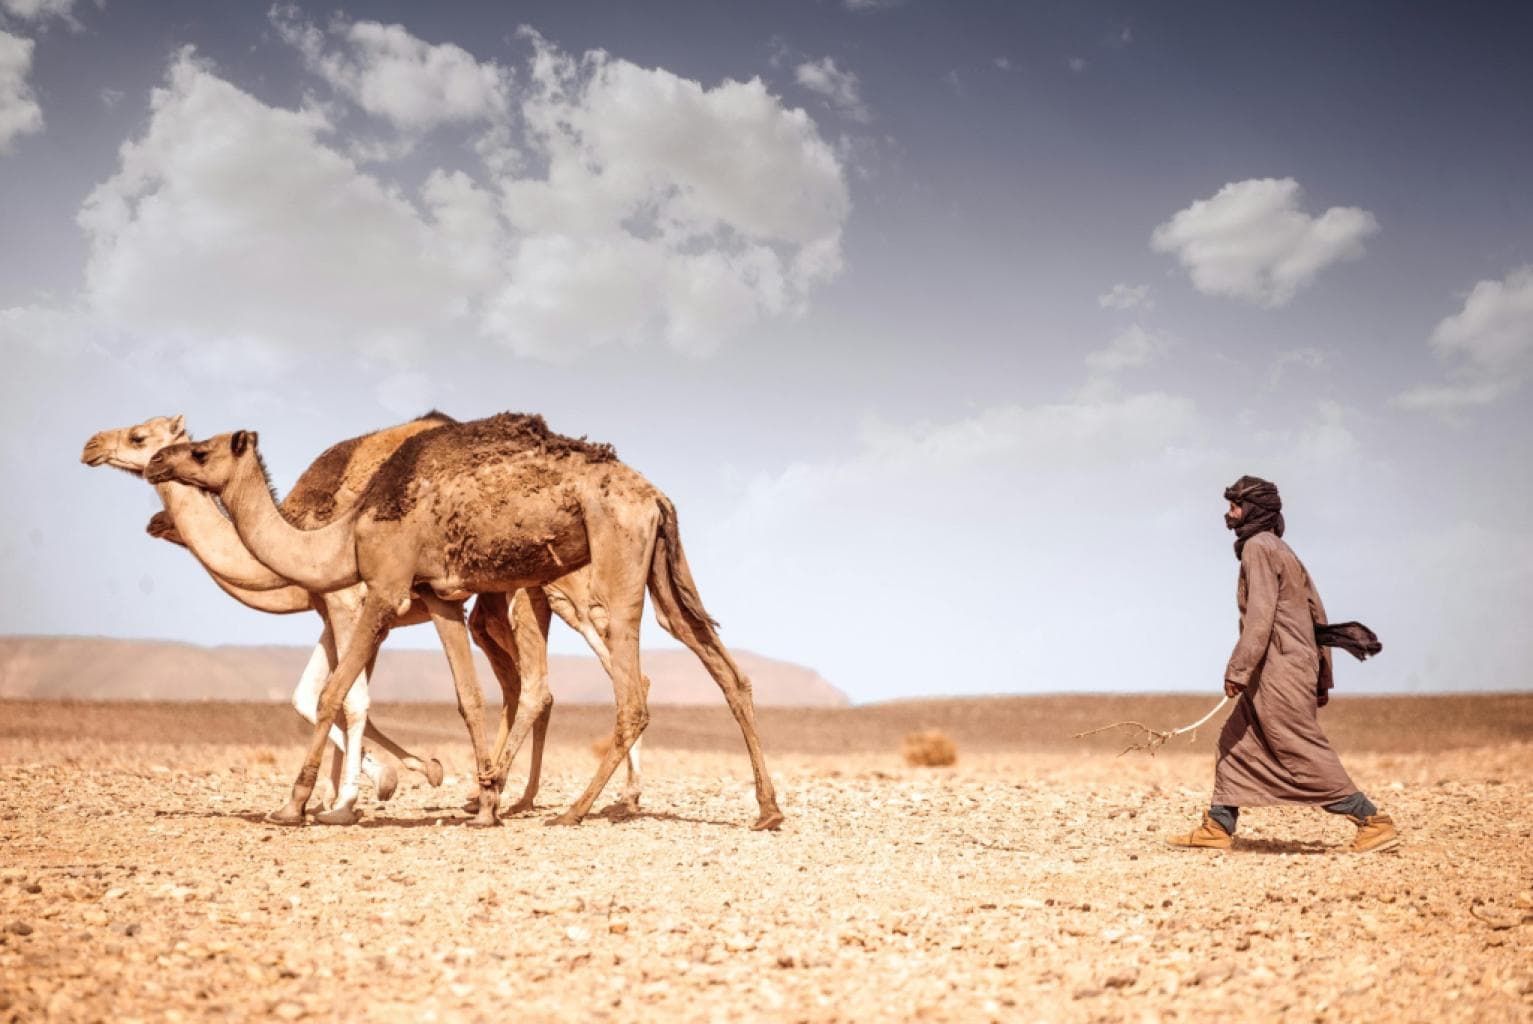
(490,506)
(515,639)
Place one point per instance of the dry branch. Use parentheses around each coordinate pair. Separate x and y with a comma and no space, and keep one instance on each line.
(1155,738)
(1498,924)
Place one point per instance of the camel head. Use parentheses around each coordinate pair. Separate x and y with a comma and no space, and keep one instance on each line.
(209,464)
(130,448)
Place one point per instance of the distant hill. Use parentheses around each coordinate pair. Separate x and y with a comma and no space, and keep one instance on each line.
(96,668)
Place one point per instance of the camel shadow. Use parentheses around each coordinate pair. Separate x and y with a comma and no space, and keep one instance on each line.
(1308,847)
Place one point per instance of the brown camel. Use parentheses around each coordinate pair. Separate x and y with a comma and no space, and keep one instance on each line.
(514,639)
(490,506)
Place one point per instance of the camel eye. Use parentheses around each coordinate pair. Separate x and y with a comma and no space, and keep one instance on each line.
(137,439)
(199,457)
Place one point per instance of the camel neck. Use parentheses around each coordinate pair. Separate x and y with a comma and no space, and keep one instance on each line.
(213,541)
(319,560)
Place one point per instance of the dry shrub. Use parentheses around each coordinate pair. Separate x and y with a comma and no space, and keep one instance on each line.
(929,749)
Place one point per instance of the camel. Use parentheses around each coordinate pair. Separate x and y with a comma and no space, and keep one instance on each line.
(332,481)
(485,507)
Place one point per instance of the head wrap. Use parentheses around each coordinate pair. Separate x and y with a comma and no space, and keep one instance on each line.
(1260,506)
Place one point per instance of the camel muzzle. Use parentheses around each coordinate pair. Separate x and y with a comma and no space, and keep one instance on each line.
(158,471)
(95,452)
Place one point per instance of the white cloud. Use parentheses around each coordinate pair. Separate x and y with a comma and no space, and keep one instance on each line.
(1125,296)
(230,220)
(45,329)
(1489,342)
(1077,64)
(870,5)
(1003,64)
(1132,347)
(19,112)
(1303,358)
(1252,241)
(657,210)
(39,10)
(1323,439)
(666,207)
(840,88)
(391,74)
(1025,446)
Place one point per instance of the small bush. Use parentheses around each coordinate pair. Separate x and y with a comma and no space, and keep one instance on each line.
(930,748)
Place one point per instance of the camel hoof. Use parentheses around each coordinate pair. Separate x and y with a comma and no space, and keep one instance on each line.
(386,783)
(483,820)
(434,773)
(770,821)
(564,819)
(287,815)
(345,814)
(522,806)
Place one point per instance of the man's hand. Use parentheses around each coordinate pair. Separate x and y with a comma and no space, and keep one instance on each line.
(1232,688)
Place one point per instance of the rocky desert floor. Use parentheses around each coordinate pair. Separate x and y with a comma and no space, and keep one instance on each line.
(1028,882)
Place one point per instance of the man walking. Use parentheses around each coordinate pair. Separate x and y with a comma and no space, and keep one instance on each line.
(1272,749)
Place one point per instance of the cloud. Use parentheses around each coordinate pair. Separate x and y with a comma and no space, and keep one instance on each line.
(698,211)
(1323,439)
(655,209)
(1124,296)
(391,74)
(1489,344)
(233,220)
(1303,358)
(1251,241)
(1132,347)
(870,5)
(1044,445)
(1077,64)
(839,87)
(39,10)
(19,112)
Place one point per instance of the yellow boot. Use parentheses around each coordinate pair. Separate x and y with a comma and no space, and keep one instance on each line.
(1375,834)
(1208,836)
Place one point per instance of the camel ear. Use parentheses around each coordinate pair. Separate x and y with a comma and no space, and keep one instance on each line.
(178,426)
(241,440)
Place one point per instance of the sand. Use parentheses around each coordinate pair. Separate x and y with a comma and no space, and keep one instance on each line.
(1027,882)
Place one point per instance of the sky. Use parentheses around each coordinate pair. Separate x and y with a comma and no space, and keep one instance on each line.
(944,325)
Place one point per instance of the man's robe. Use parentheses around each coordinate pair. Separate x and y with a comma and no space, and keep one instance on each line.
(1272,749)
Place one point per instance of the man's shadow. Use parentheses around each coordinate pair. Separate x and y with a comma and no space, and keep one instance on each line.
(1305,846)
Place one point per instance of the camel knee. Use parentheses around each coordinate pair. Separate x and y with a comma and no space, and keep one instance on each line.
(600,619)
(306,703)
(630,725)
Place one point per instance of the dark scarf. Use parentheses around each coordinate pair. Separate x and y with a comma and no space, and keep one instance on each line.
(1262,510)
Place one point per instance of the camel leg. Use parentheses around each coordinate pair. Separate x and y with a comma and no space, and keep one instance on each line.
(529,635)
(620,559)
(677,608)
(491,629)
(367,634)
(306,702)
(529,619)
(570,598)
(447,616)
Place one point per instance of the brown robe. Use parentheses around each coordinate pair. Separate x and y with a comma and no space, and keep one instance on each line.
(1272,749)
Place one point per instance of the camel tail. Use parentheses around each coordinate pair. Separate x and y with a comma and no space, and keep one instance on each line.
(677,572)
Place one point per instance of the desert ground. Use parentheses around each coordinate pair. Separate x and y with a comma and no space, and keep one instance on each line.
(1027,882)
